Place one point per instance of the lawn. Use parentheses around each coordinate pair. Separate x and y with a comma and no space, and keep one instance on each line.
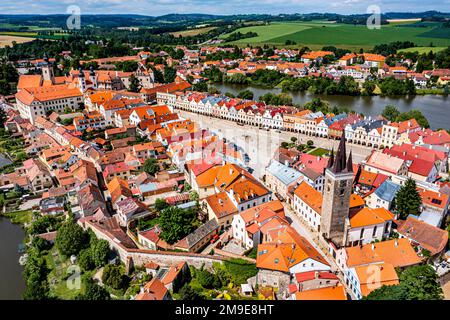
(319,152)
(19,217)
(317,34)
(58,276)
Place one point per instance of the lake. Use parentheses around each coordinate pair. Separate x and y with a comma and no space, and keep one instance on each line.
(436,108)
(12,284)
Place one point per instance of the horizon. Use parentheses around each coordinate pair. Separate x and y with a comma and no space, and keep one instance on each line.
(216,7)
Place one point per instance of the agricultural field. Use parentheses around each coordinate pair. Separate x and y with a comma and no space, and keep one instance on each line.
(31,35)
(421,50)
(316,34)
(192,32)
(8,40)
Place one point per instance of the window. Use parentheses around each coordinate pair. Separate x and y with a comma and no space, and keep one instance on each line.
(374,231)
(362,233)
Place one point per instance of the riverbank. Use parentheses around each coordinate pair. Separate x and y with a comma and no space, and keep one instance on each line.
(435,108)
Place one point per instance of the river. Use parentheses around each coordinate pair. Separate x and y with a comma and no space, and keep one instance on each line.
(436,108)
(12,284)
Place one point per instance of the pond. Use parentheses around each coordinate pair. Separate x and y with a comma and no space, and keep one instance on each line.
(12,284)
(436,108)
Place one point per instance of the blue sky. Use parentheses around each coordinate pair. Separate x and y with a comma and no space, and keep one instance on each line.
(160,7)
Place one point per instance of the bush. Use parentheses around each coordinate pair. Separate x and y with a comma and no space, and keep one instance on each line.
(94,292)
(240,270)
(189,294)
(206,279)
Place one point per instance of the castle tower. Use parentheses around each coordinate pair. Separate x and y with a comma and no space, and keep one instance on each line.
(336,195)
(47,70)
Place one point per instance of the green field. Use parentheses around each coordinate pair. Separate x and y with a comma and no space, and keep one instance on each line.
(33,34)
(422,49)
(318,34)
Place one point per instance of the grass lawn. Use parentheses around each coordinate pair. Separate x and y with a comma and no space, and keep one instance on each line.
(319,152)
(316,34)
(19,217)
(421,50)
(58,276)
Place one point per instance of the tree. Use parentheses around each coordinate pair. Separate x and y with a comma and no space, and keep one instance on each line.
(414,114)
(407,199)
(41,244)
(151,166)
(189,294)
(206,279)
(100,252)
(135,85)
(395,292)
(35,274)
(161,204)
(369,87)
(2,116)
(84,260)
(70,239)
(176,223)
(416,283)
(310,143)
(246,94)
(193,196)
(213,90)
(94,292)
(294,139)
(421,283)
(390,112)
(114,277)
(169,74)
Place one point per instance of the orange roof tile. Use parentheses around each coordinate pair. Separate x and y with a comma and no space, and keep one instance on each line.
(368,217)
(374,276)
(310,196)
(397,252)
(329,293)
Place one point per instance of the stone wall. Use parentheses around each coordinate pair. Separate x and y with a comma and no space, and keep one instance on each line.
(139,257)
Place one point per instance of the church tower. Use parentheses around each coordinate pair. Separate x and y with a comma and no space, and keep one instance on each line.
(93,77)
(81,80)
(47,70)
(336,195)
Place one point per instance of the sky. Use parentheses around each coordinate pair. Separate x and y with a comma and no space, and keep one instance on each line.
(161,7)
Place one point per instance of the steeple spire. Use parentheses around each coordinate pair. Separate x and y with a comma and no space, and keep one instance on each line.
(340,162)
(350,162)
(331,160)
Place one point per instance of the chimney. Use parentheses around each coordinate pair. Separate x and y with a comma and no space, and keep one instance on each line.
(373,247)
(396,242)
(231,171)
(316,275)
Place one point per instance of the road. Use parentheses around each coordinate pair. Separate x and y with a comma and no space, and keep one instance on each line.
(260,145)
